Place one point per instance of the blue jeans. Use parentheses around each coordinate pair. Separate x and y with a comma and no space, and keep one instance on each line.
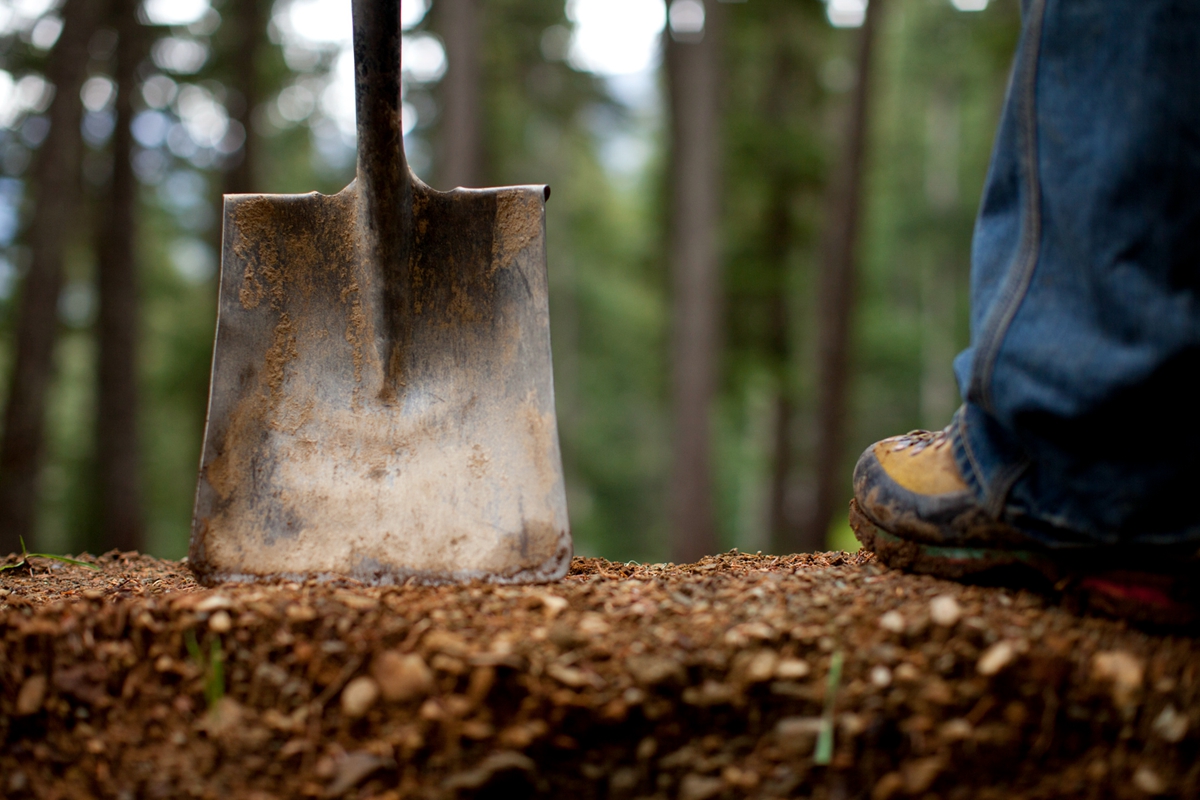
(1080,422)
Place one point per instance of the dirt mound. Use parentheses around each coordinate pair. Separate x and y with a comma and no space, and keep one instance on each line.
(738,676)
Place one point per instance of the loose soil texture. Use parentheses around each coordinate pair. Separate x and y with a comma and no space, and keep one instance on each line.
(739,676)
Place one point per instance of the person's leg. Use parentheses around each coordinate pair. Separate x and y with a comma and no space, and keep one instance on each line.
(1078,431)
(1086,278)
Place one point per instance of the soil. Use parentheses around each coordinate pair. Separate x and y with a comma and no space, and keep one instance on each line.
(727,678)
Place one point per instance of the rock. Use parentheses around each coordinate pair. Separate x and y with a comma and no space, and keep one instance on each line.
(1170,725)
(451,644)
(798,735)
(920,774)
(487,769)
(709,693)
(214,602)
(760,667)
(31,696)
(888,786)
(552,604)
(956,730)
(881,676)
(1124,670)
(653,670)
(569,676)
(791,669)
(223,720)
(1149,781)
(741,635)
(996,658)
(220,622)
(851,724)
(352,769)
(18,782)
(592,624)
(401,677)
(358,696)
(359,602)
(623,781)
(944,610)
(892,621)
(699,787)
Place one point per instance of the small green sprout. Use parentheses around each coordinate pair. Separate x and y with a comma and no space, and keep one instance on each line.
(213,666)
(26,555)
(824,752)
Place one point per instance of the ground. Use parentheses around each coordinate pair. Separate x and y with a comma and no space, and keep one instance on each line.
(740,676)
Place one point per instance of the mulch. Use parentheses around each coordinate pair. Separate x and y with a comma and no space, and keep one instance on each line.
(739,676)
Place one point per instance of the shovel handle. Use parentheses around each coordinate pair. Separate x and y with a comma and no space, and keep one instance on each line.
(382,169)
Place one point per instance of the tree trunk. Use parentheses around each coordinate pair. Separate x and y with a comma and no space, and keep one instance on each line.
(780,239)
(460,161)
(692,78)
(57,185)
(835,300)
(782,528)
(117,440)
(245,30)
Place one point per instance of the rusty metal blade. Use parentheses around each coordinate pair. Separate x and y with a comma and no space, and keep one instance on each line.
(381,404)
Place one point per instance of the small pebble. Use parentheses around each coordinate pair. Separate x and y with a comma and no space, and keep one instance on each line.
(1124,670)
(358,696)
(881,676)
(1149,781)
(944,610)
(220,622)
(1170,725)
(553,604)
(892,621)
(31,696)
(214,602)
(791,669)
(761,666)
(996,658)
(401,677)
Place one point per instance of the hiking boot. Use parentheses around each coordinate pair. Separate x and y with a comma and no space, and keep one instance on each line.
(914,510)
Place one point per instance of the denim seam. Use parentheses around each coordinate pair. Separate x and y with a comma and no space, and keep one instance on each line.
(1002,485)
(1016,285)
(976,476)
(994,493)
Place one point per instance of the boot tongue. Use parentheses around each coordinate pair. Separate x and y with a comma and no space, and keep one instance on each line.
(926,470)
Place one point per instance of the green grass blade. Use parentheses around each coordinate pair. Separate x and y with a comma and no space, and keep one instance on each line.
(64,559)
(824,752)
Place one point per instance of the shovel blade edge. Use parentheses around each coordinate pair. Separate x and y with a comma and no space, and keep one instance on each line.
(382,422)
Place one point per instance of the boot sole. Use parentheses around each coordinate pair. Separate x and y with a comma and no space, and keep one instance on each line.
(1138,596)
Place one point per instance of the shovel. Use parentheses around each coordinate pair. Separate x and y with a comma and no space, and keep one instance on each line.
(382,405)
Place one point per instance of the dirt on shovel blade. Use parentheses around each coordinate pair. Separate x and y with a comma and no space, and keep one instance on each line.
(739,676)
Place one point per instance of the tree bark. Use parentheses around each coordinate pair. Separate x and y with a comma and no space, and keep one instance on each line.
(56,179)
(835,299)
(692,78)
(245,30)
(460,162)
(783,530)
(117,439)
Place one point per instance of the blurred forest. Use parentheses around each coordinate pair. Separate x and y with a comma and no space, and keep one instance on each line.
(758,250)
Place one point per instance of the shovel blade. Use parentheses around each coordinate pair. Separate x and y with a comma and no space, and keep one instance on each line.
(356,430)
